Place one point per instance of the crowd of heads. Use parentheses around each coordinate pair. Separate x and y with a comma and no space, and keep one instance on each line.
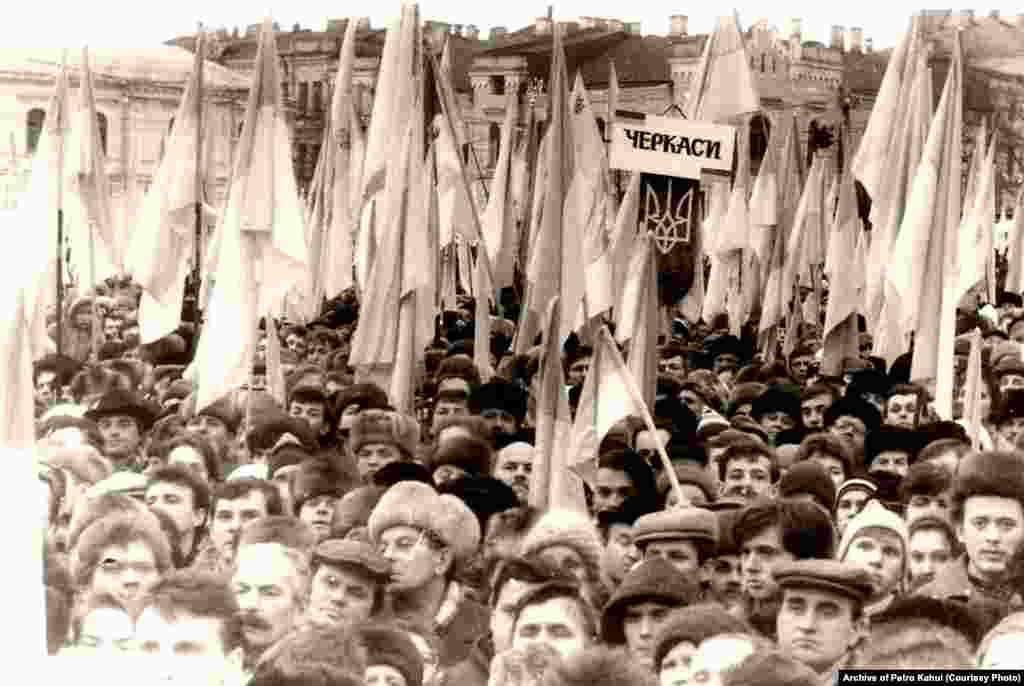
(771,525)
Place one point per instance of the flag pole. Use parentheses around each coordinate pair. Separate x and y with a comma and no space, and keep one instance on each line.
(60,220)
(196,267)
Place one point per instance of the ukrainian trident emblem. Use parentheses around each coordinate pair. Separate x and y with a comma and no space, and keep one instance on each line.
(668,217)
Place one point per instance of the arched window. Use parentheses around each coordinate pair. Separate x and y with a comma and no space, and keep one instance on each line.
(101,124)
(760,130)
(33,128)
(284,90)
(303,97)
(494,138)
(318,96)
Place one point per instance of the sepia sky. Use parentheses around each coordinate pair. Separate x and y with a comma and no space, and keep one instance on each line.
(131,24)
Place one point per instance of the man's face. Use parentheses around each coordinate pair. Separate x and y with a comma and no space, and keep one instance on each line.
(647,443)
(319,353)
(188,457)
(853,431)
(499,421)
(268,589)
(849,506)
(318,512)
(799,367)
(774,422)
(674,366)
(415,560)
(920,505)
(612,490)
(514,469)
(121,436)
(313,413)
(297,344)
(1008,381)
(834,466)
(892,461)
(726,579)
(992,530)
(680,553)
(46,388)
(230,516)
(384,675)
(503,616)
(748,476)
(445,409)
(930,555)
(190,649)
(694,402)
(620,552)
(373,456)
(816,628)
(726,362)
(758,558)
(126,572)
(112,329)
(813,411)
(901,411)
(177,502)
(557,623)
(213,429)
(880,553)
(640,624)
(578,371)
(341,596)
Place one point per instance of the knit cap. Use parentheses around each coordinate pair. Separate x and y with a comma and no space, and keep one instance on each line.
(875,516)
(571,529)
(856,484)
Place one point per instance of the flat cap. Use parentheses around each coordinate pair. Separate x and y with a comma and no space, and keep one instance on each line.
(343,551)
(684,522)
(843,578)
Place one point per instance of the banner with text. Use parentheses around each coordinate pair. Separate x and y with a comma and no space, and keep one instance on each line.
(670,146)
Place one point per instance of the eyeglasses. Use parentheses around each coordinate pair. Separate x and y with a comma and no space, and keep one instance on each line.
(117,567)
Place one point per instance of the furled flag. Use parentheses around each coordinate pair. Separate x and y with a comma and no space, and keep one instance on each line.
(498,221)
(973,382)
(732,237)
(846,283)
(724,86)
(39,206)
(926,244)
(159,258)
(975,251)
(637,316)
(556,255)
(275,371)
(458,213)
(262,252)
(1015,253)
(554,485)
(17,402)
(875,150)
(95,253)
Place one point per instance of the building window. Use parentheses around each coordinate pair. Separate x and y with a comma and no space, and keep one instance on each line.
(318,96)
(284,90)
(33,128)
(760,129)
(763,59)
(303,96)
(101,125)
(498,85)
(494,137)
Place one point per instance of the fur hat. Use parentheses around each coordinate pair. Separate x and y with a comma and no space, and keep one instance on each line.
(809,477)
(999,474)
(461,366)
(366,396)
(267,428)
(745,394)
(384,426)
(472,455)
(355,507)
(119,402)
(778,398)
(483,495)
(893,438)
(568,528)
(695,624)
(394,472)
(854,407)
(654,580)
(224,410)
(388,645)
(417,505)
(499,394)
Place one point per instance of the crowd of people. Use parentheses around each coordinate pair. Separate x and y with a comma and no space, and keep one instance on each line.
(319,537)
